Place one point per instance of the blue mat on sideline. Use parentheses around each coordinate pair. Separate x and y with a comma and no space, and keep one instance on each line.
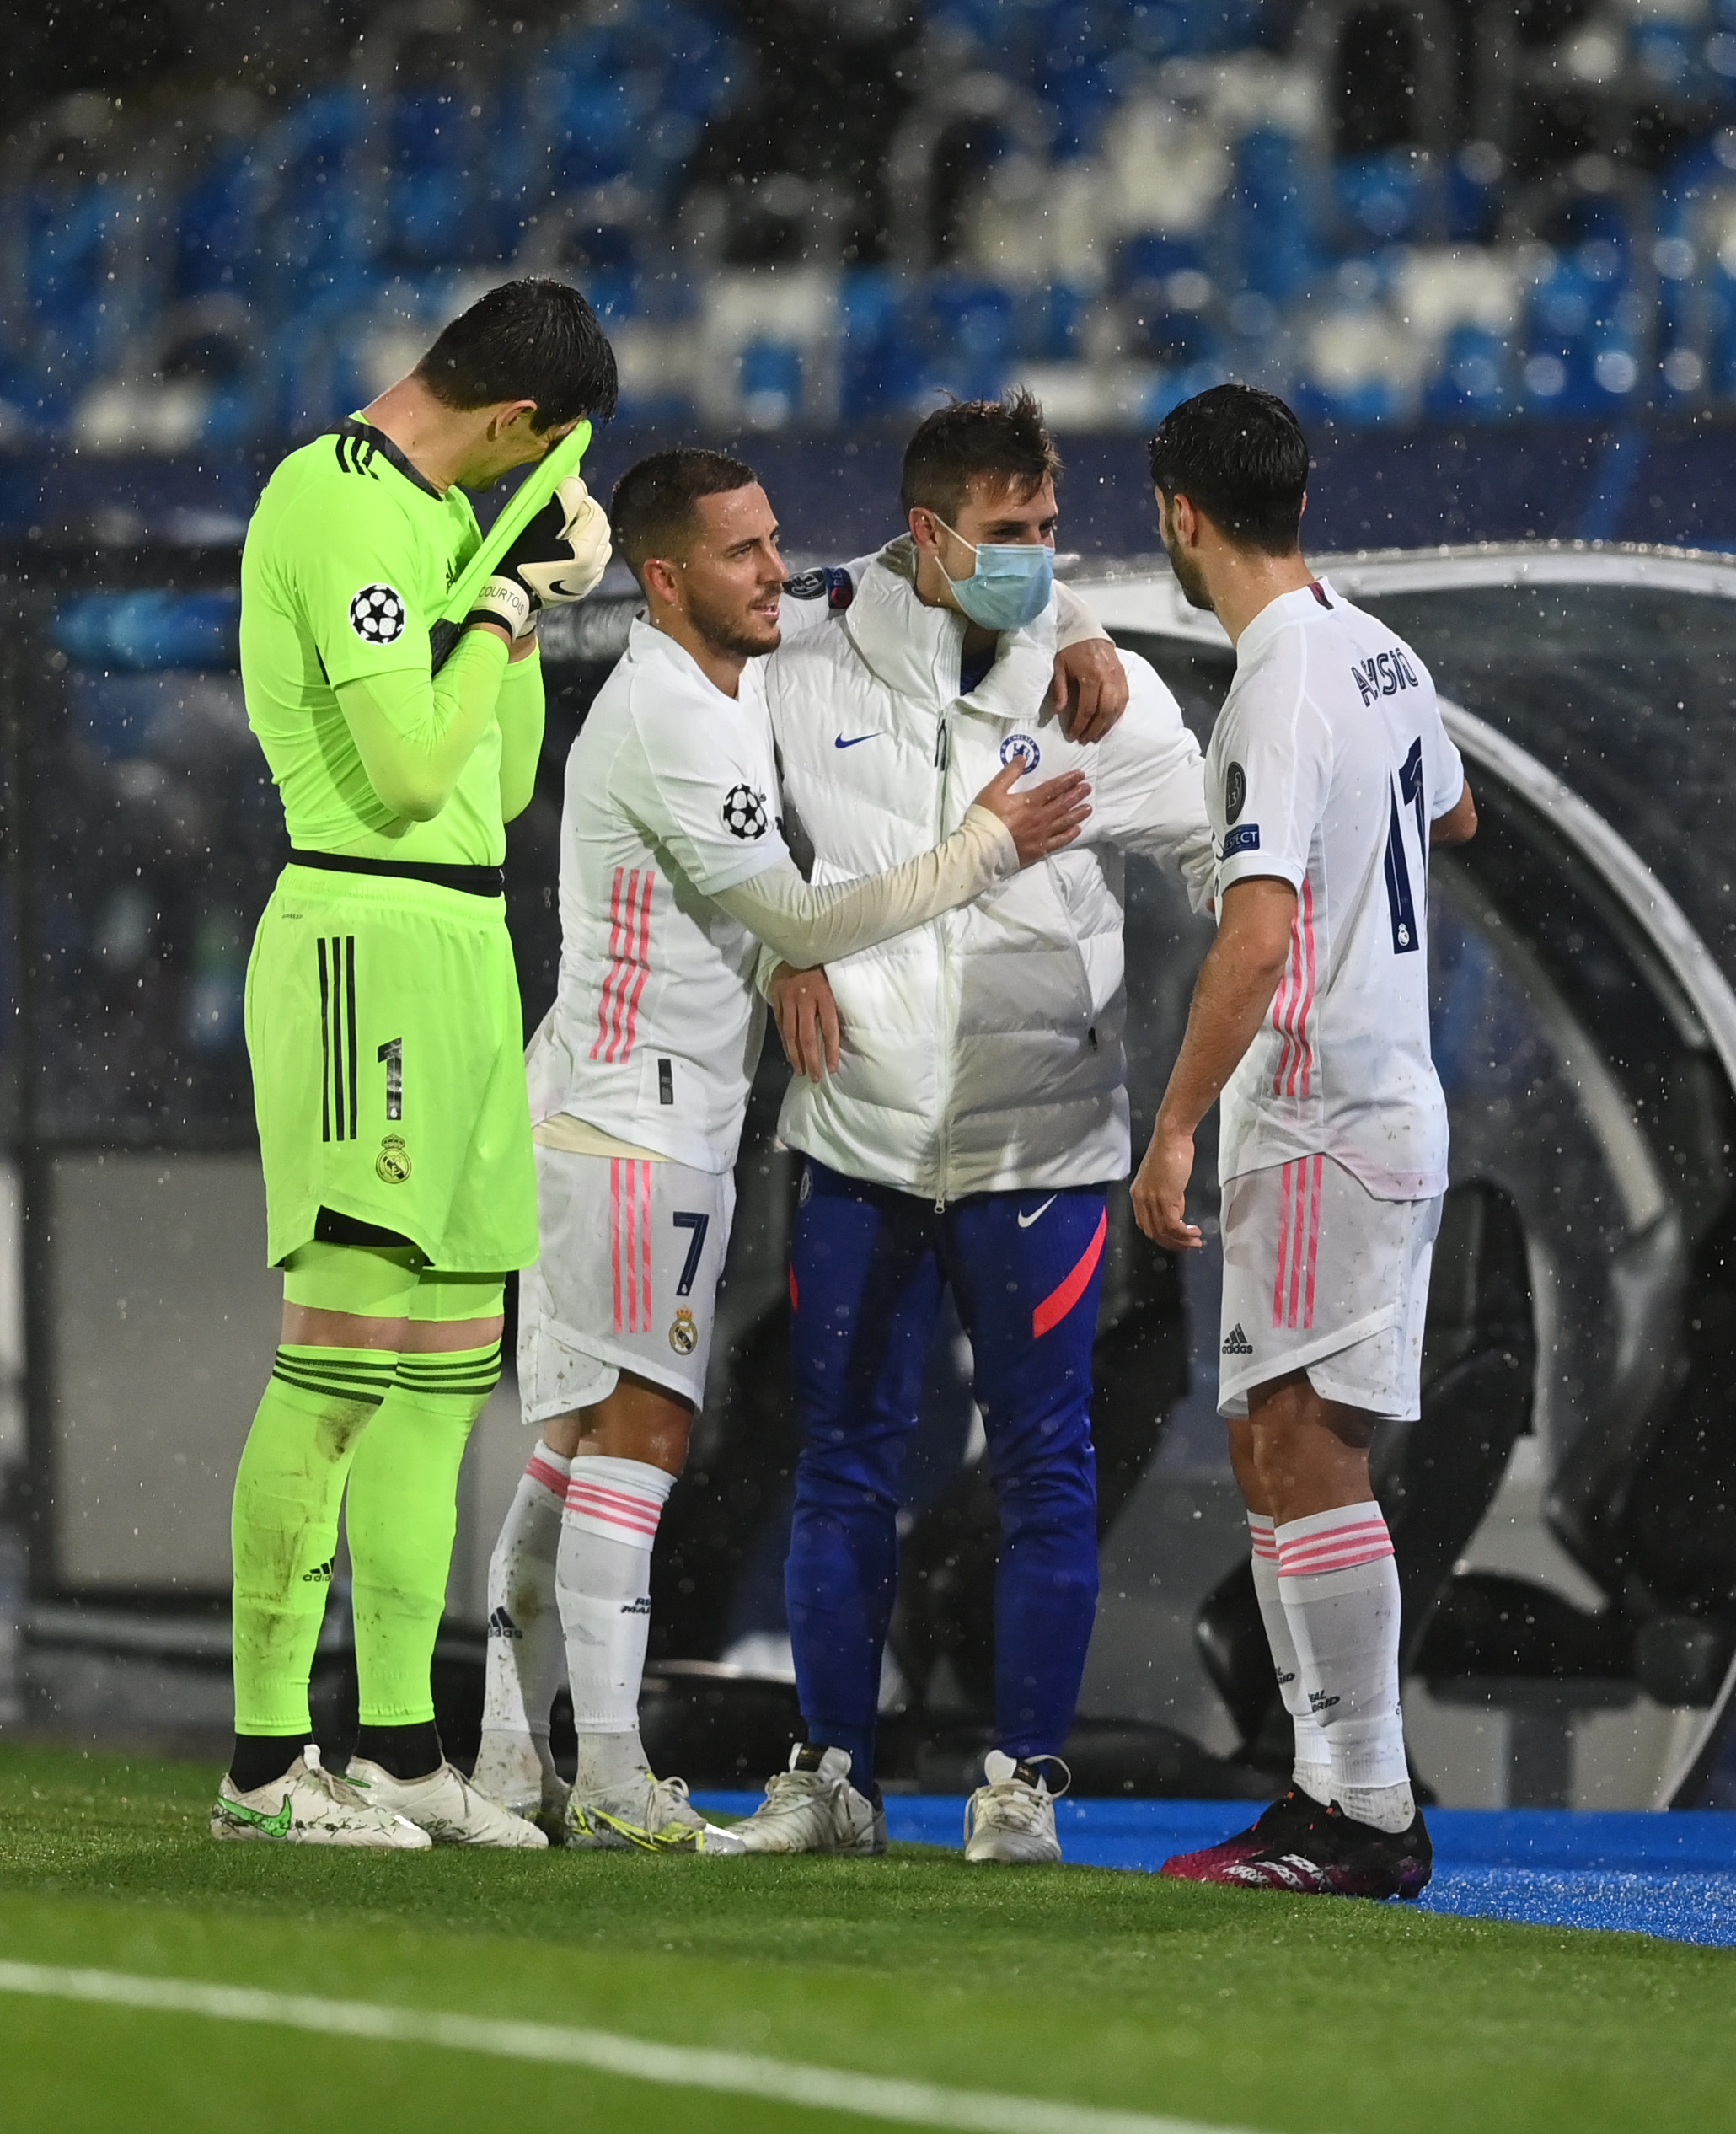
(1668,1874)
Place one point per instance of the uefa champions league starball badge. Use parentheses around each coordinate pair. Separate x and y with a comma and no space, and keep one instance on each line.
(744,812)
(376,615)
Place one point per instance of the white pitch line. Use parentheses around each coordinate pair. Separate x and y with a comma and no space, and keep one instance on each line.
(838,2089)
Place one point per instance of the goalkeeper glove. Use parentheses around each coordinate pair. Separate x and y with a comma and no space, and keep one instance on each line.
(561,555)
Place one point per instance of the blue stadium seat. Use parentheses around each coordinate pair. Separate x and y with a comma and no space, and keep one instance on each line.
(316,235)
(881,361)
(434,148)
(1268,216)
(1047,321)
(969,335)
(1585,333)
(1474,380)
(217,232)
(771,384)
(1153,255)
(1473,193)
(1379,197)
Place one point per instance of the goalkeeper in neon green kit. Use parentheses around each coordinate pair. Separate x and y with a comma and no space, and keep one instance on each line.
(384,1031)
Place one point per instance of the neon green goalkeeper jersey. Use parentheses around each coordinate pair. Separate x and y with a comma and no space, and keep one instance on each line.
(349,560)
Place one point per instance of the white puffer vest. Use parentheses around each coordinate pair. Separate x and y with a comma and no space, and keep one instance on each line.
(982,1052)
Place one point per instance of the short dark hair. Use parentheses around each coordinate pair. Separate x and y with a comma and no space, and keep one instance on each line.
(652,507)
(1238,455)
(531,339)
(1008,439)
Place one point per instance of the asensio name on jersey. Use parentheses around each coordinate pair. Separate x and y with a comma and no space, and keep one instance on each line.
(1326,768)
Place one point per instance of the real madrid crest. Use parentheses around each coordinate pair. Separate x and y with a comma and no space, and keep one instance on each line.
(683,1334)
(392,1164)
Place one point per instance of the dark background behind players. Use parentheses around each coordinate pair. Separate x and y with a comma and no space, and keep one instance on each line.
(1524,336)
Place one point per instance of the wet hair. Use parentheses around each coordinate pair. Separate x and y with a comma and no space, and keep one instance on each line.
(1007,440)
(651,512)
(1238,455)
(530,339)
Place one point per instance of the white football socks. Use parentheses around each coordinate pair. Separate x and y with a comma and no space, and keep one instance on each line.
(1340,1592)
(525,1652)
(1312,1770)
(603,1580)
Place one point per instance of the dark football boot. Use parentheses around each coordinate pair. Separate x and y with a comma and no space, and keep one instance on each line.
(1286,1822)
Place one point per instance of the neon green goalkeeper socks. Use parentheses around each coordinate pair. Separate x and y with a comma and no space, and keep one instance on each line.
(285,1525)
(402,1515)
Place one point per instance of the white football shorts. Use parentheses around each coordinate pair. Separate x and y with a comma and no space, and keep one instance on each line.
(1321,1276)
(631,1256)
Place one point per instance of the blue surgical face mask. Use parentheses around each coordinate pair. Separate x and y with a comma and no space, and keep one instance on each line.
(1011,585)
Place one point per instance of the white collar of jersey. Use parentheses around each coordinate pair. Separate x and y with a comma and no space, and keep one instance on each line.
(645,641)
(1299,606)
(915,650)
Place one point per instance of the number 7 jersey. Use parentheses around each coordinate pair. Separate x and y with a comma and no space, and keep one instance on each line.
(1327,766)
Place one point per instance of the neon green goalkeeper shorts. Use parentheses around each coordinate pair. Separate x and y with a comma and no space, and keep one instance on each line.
(387,1042)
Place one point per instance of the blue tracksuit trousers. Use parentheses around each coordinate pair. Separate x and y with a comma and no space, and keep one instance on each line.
(867,1267)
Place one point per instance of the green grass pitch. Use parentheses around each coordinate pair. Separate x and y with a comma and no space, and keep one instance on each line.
(1120,1991)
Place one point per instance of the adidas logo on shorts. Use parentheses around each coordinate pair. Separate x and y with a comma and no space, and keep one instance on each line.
(502,1625)
(1236,1342)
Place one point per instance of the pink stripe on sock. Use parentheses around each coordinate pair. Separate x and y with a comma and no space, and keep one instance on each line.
(551,1478)
(618,1507)
(1339,1548)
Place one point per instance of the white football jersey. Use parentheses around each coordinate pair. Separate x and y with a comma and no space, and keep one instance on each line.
(1327,766)
(672,794)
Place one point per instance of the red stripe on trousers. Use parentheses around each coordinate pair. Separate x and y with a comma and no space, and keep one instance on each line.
(645,1247)
(614,1229)
(1299,1239)
(1056,1306)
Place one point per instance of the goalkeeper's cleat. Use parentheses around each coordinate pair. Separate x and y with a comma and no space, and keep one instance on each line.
(1337,1857)
(447,1806)
(310,1806)
(1285,1823)
(647,1815)
(1011,1818)
(812,1807)
(517,1771)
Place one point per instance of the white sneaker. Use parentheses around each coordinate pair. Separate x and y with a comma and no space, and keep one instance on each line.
(647,1816)
(447,1806)
(310,1805)
(517,1771)
(1012,1818)
(813,1808)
